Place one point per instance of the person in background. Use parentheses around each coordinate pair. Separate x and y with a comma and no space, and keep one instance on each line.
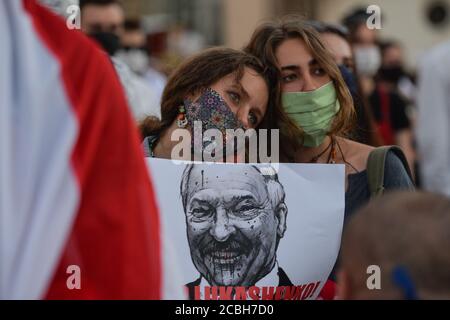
(389,107)
(103,21)
(403,236)
(365,50)
(335,37)
(433,119)
(393,68)
(134,52)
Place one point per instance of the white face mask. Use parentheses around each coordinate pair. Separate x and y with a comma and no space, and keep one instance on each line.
(136,59)
(367,60)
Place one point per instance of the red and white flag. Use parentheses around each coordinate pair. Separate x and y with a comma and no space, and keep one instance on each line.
(74,187)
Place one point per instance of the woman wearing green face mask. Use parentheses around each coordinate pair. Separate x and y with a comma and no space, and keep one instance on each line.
(318,107)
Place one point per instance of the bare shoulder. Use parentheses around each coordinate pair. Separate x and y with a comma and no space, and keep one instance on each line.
(355,153)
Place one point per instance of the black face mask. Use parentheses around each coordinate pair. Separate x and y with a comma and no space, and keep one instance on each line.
(392,73)
(109,41)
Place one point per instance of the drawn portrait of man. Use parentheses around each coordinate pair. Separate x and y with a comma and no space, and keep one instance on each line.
(235,217)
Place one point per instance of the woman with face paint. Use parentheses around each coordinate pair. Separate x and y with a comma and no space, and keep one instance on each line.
(219,88)
(319,107)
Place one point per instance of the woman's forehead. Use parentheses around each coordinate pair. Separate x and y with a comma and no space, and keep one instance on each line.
(293,52)
(251,85)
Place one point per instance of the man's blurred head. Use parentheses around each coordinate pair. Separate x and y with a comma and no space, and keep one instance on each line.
(133,35)
(134,47)
(103,20)
(364,42)
(391,54)
(392,62)
(407,236)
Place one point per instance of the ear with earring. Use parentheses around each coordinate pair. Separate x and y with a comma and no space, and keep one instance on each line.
(181,118)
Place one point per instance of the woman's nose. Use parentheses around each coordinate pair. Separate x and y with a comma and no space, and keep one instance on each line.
(243,116)
(308,84)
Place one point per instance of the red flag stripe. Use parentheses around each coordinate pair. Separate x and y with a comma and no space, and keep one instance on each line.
(115,239)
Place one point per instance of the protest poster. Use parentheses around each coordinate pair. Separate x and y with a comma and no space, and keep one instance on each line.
(251,232)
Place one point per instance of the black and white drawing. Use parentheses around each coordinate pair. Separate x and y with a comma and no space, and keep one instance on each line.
(235,218)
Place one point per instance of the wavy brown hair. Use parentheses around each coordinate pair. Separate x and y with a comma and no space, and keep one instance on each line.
(200,72)
(264,43)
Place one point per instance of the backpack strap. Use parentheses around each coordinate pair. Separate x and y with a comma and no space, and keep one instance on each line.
(376,164)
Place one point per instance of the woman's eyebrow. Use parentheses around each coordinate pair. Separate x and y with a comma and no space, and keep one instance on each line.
(313,62)
(294,67)
(241,89)
(291,67)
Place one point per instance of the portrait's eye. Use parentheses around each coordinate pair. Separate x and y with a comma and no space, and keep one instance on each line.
(289,78)
(252,118)
(202,212)
(235,97)
(246,209)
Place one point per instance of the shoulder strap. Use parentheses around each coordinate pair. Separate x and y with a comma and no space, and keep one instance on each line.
(376,164)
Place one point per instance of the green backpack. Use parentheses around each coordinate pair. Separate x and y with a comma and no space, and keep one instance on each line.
(376,164)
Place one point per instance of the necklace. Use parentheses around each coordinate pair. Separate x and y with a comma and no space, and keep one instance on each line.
(344,160)
(332,155)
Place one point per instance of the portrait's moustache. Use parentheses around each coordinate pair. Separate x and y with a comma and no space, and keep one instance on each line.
(235,245)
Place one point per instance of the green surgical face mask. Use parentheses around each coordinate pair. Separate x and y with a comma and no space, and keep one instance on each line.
(313,111)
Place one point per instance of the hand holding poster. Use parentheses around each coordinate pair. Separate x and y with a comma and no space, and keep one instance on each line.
(248,232)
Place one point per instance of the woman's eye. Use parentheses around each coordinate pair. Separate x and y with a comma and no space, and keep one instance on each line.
(234,97)
(289,78)
(252,118)
(319,72)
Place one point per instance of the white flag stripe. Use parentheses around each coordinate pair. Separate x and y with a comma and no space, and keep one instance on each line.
(39,195)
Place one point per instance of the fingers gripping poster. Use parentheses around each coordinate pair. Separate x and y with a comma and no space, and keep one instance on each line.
(250,232)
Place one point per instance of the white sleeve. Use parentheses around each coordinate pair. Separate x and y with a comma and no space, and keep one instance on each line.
(433,124)
(142,99)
